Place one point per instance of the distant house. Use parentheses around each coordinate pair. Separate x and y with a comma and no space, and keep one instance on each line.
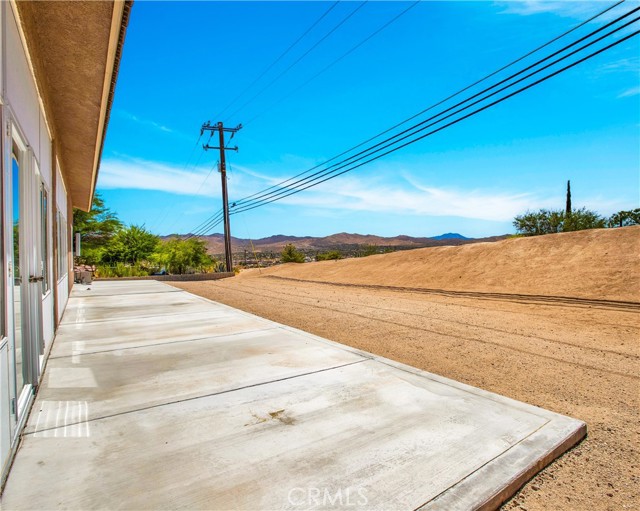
(58,66)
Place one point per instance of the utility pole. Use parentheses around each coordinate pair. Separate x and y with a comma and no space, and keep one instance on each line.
(223,173)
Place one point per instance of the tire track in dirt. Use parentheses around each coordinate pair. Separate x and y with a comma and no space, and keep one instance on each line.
(518,298)
(458,337)
(460,323)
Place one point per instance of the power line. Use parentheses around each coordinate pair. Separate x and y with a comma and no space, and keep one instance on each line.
(292,190)
(399,136)
(208,224)
(280,57)
(309,182)
(320,41)
(334,62)
(440,102)
(449,124)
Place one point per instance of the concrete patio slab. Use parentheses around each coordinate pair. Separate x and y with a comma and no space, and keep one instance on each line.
(256,415)
(131,305)
(123,380)
(131,333)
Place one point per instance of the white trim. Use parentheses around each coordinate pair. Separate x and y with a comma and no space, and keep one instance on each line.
(22,402)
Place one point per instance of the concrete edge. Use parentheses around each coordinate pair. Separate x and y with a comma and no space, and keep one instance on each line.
(541,463)
(528,457)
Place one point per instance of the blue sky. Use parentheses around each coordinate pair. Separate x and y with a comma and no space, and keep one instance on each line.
(185,62)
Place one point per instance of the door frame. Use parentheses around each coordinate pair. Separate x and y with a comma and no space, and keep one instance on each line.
(31,297)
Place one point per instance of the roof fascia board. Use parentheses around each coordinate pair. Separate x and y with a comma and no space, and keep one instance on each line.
(114,39)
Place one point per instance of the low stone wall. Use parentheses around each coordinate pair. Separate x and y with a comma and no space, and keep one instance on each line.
(176,278)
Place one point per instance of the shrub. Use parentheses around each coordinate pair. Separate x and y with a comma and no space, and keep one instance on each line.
(367,250)
(582,219)
(329,256)
(290,254)
(122,270)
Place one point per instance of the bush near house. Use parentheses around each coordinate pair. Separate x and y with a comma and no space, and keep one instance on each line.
(132,251)
(122,270)
(180,256)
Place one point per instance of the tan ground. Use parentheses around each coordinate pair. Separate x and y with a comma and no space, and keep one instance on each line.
(579,357)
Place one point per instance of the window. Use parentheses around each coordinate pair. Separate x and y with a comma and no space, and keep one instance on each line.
(44,216)
(62,245)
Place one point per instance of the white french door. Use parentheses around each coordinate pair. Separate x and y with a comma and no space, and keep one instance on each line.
(22,226)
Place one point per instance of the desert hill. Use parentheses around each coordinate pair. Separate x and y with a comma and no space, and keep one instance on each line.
(599,263)
(344,241)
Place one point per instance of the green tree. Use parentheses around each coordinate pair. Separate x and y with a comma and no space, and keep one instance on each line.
(180,256)
(535,223)
(624,218)
(544,221)
(96,228)
(130,245)
(290,254)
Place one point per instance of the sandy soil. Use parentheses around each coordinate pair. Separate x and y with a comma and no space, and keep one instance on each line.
(578,355)
(600,263)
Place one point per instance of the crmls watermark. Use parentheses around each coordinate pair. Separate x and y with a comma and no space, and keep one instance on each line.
(346,497)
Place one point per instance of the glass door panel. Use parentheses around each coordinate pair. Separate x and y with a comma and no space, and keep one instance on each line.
(17,276)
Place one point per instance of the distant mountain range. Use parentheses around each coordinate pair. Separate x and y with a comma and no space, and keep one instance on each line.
(341,241)
(450,236)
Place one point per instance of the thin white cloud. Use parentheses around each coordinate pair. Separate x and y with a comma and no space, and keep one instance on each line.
(411,198)
(565,8)
(627,65)
(403,194)
(633,91)
(269,180)
(145,122)
(146,175)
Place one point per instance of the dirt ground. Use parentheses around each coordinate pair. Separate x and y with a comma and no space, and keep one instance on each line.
(572,348)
